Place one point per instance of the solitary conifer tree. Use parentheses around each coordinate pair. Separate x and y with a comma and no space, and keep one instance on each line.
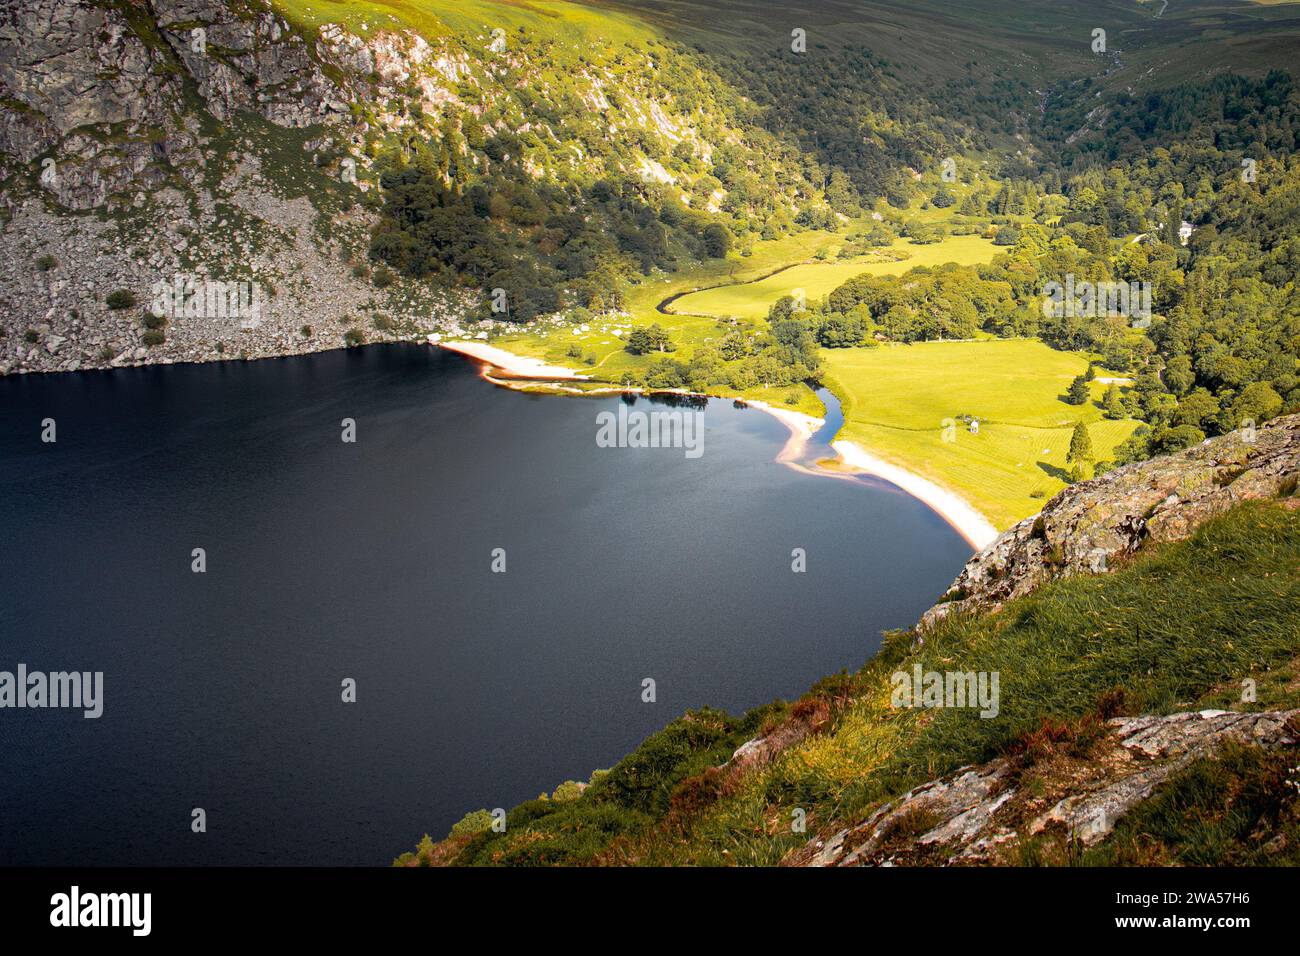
(1080,443)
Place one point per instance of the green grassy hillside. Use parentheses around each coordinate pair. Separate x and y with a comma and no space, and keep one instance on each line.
(567,21)
(1046,38)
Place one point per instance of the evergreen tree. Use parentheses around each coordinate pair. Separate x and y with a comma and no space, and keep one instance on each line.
(1080,444)
(1078,393)
(1114,404)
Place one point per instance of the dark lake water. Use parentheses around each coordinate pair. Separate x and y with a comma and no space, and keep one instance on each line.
(372,561)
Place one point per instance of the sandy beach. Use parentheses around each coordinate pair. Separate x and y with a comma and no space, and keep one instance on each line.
(802,427)
(965,520)
(516,365)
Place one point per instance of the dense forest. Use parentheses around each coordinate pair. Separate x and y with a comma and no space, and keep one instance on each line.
(1221,346)
(529,238)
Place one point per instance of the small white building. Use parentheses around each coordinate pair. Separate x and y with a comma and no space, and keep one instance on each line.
(1185,230)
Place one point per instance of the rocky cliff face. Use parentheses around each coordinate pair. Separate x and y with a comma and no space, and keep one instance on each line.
(98,96)
(71,76)
(123,169)
(142,139)
(1089,527)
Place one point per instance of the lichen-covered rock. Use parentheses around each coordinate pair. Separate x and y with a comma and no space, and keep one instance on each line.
(87,102)
(1088,526)
(1168,744)
(248,60)
(973,814)
(763,750)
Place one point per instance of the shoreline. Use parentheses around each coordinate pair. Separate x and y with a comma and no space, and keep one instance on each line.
(802,428)
(962,517)
(515,366)
(978,531)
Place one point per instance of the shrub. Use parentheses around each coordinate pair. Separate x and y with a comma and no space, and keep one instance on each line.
(716,241)
(1080,444)
(154,337)
(354,337)
(645,779)
(569,790)
(654,339)
(1007,236)
(474,822)
(46,262)
(152,321)
(424,849)
(120,299)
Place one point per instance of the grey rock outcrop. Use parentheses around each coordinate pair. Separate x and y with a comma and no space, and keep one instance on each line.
(971,815)
(96,102)
(87,103)
(126,113)
(1161,747)
(1090,526)
(252,62)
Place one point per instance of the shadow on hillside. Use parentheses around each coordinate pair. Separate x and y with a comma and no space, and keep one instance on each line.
(1058,473)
